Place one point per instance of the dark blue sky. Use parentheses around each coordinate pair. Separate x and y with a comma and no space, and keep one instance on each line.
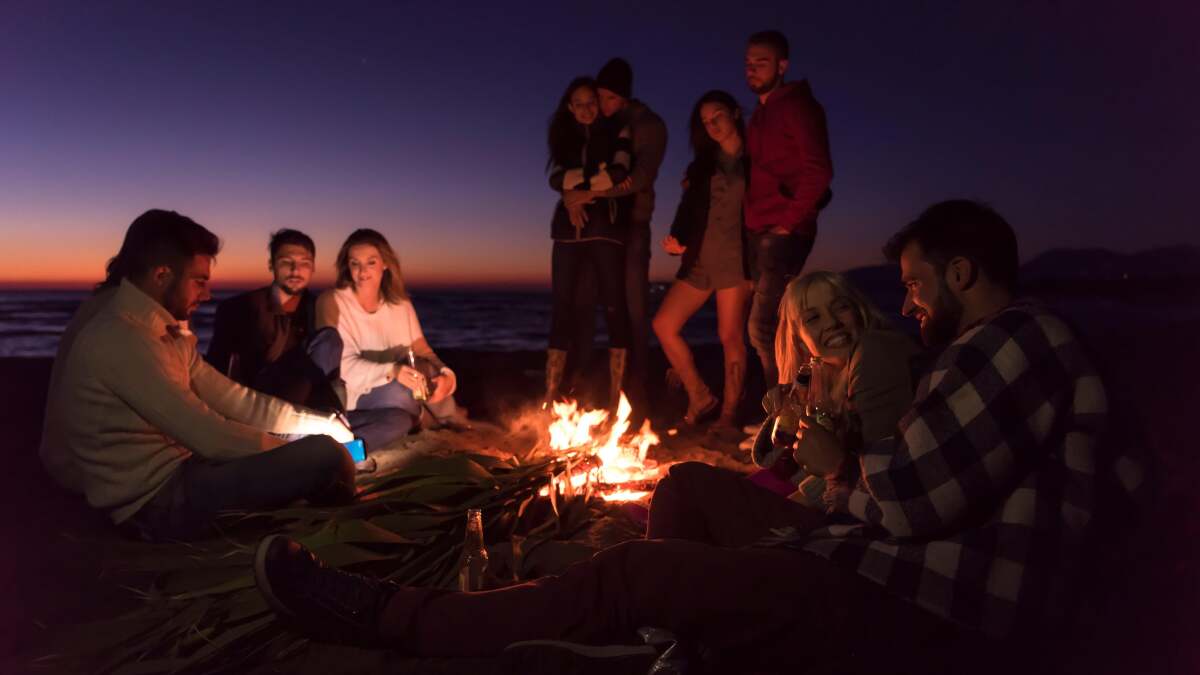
(1080,121)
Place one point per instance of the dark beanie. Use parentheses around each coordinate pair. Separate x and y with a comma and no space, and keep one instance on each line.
(617,77)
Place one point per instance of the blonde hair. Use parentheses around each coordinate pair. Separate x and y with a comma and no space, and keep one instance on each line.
(392,284)
(790,351)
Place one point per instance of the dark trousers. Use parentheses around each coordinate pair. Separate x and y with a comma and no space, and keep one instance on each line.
(637,302)
(774,260)
(754,608)
(315,468)
(569,265)
(296,378)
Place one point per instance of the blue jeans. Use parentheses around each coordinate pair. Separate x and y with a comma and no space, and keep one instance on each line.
(383,414)
(774,260)
(315,468)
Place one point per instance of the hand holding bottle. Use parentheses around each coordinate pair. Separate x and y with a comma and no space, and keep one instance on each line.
(818,450)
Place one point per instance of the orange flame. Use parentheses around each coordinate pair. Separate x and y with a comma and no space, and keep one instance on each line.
(574,430)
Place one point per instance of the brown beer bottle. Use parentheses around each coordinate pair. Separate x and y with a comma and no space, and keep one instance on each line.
(475,557)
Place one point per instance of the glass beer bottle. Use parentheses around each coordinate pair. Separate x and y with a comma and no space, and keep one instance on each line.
(475,557)
(818,403)
(420,393)
(787,420)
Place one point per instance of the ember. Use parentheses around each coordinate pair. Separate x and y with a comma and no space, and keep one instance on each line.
(616,463)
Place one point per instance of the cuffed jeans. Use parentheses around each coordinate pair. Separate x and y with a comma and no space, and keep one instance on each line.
(315,468)
(774,260)
(383,414)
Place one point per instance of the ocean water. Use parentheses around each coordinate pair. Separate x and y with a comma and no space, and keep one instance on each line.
(32,321)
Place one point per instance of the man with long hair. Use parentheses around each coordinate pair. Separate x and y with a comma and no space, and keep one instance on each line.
(147,430)
(790,172)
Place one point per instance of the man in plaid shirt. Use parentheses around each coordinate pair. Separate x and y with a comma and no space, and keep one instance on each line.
(977,507)
(972,515)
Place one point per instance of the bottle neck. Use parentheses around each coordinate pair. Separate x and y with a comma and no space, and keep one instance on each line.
(474,536)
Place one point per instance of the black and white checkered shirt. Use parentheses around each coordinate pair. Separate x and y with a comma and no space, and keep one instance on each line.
(977,508)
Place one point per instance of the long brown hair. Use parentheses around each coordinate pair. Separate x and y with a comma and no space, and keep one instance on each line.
(790,351)
(392,284)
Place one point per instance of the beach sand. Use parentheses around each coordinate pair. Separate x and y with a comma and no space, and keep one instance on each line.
(54,572)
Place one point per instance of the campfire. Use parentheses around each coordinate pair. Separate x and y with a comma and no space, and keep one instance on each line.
(614,462)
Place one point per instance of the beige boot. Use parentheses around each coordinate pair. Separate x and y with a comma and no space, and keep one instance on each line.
(616,375)
(701,401)
(556,361)
(735,379)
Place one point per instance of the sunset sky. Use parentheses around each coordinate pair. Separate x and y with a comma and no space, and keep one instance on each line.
(1080,121)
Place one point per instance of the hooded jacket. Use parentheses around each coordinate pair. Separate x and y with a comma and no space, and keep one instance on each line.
(790,167)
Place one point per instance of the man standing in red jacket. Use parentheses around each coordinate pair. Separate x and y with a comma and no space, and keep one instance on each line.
(790,171)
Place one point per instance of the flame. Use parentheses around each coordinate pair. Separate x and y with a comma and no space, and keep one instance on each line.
(581,431)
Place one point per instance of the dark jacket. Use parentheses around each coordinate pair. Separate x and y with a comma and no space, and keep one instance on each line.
(691,217)
(790,167)
(244,330)
(649,135)
(607,144)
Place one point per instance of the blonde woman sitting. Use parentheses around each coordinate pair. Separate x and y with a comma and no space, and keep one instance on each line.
(865,362)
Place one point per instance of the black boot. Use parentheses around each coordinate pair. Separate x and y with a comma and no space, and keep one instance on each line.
(325,604)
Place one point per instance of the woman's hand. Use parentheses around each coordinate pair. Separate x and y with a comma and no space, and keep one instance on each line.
(672,246)
(411,378)
(445,385)
(818,450)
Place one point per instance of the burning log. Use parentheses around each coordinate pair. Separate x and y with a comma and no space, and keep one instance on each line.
(610,459)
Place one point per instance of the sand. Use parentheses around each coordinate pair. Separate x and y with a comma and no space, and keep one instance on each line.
(55,547)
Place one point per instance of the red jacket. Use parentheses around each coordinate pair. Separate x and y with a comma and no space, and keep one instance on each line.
(790,168)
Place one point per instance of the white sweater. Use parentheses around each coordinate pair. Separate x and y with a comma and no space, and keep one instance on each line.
(372,342)
(131,399)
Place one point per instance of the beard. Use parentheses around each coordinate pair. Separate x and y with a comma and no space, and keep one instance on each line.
(175,304)
(288,290)
(942,320)
(766,86)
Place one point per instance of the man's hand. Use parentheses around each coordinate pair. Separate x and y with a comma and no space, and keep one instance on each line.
(447,382)
(411,377)
(578,215)
(573,198)
(339,429)
(818,451)
(672,246)
(625,184)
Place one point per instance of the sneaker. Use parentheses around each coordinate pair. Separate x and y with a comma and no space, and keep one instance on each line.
(323,603)
(556,656)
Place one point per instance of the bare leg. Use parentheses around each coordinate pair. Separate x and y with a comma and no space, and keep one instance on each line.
(732,307)
(681,302)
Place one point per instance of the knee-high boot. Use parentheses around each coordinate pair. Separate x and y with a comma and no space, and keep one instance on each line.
(616,373)
(556,361)
(735,379)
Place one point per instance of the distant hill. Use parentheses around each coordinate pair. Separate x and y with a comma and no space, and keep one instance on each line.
(1167,274)
(1180,262)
